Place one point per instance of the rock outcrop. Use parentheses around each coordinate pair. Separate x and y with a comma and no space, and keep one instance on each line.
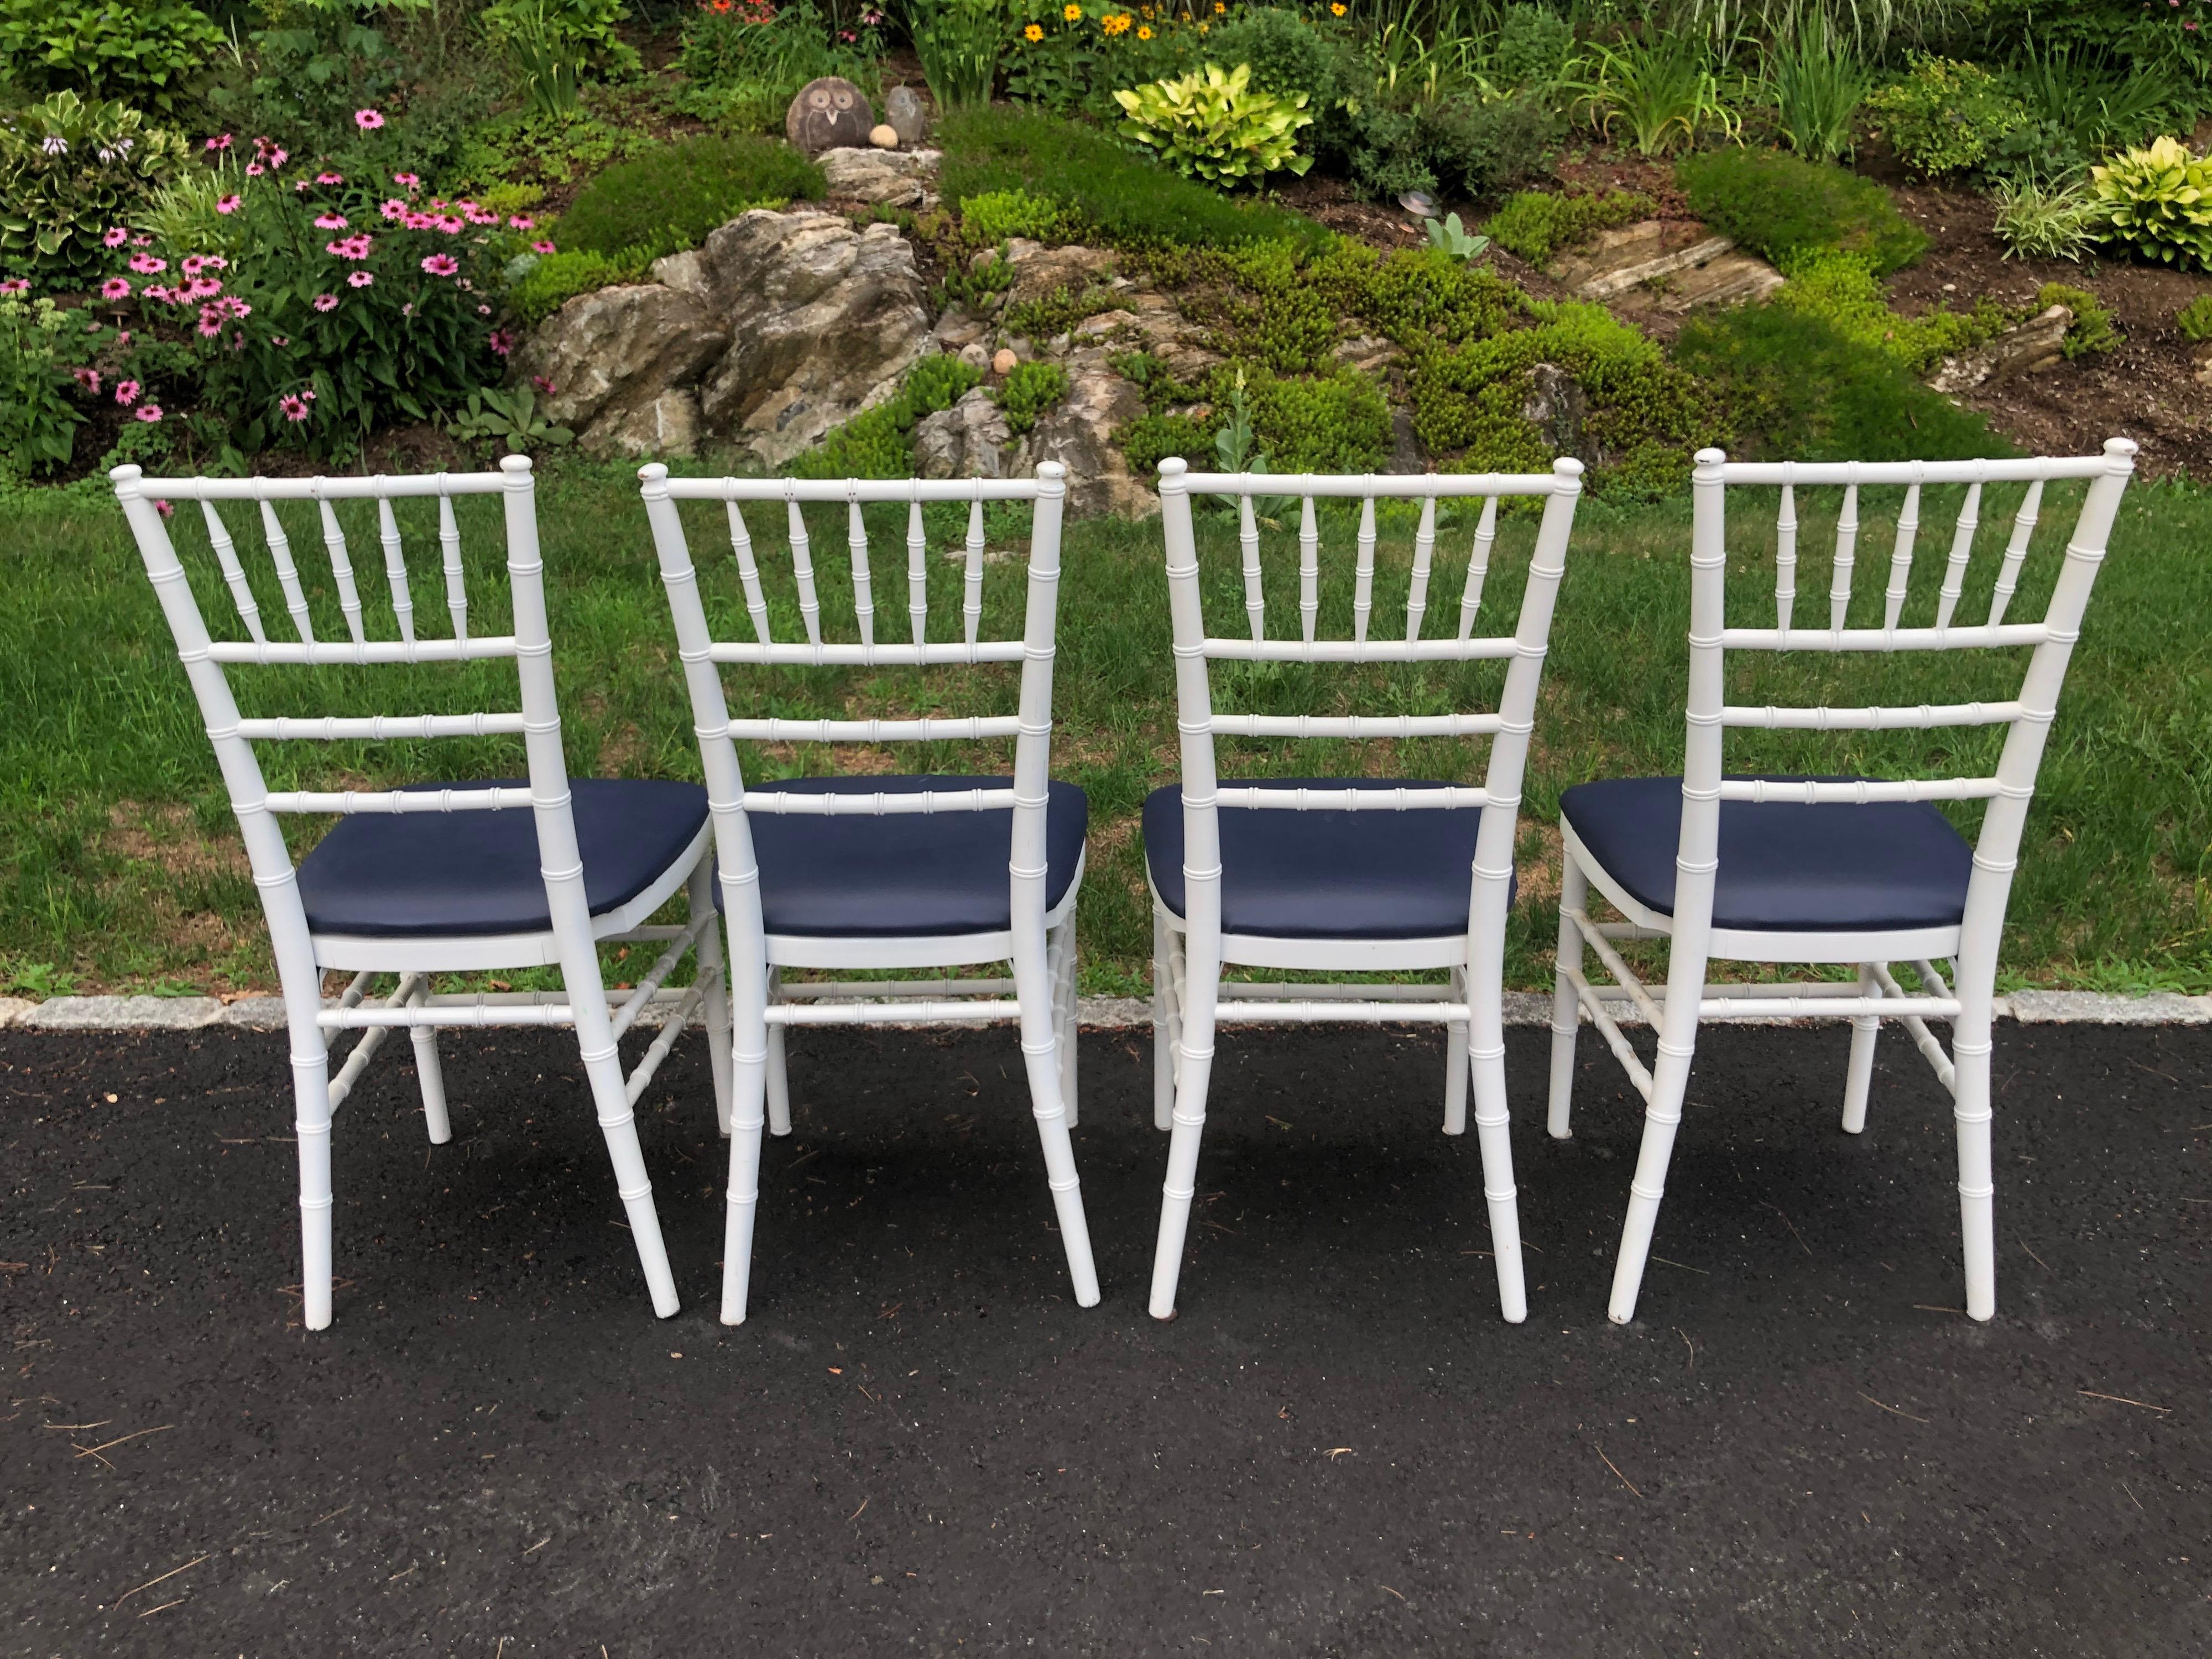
(969,441)
(612,357)
(1078,433)
(884,178)
(2023,349)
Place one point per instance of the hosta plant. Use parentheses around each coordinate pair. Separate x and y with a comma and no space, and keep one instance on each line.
(2157,203)
(1212,125)
(68,172)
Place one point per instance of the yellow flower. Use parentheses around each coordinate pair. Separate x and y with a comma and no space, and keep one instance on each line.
(1219,7)
(1337,8)
(1143,31)
(1033,33)
(1073,14)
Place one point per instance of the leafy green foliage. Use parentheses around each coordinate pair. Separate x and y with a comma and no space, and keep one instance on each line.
(2156,202)
(743,66)
(878,443)
(670,198)
(1946,116)
(1844,291)
(1113,197)
(1461,144)
(2036,220)
(1286,54)
(509,417)
(1535,46)
(527,147)
(1818,84)
(2092,329)
(1451,238)
(2074,108)
(1152,437)
(70,172)
(1336,423)
(549,44)
(1213,125)
(1780,205)
(1660,87)
(1028,390)
(2195,318)
(1536,224)
(998,214)
(1799,389)
(145,53)
(38,422)
(548,282)
(959,42)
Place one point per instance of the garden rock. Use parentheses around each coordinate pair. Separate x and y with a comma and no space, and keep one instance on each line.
(828,112)
(1406,454)
(1666,265)
(1078,434)
(1040,272)
(968,440)
(908,116)
(884,135)
(1555,406)
(959,327)
(2022,350)
(896,179)
(669,425)
(822,322)
(611,355)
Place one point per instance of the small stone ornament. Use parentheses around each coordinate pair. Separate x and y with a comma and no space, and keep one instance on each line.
(904,109)
(830,113)
(883,136)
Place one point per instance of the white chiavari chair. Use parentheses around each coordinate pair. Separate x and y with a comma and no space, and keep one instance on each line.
(1348,874)
(876,872)
(445,879)
(1825,869)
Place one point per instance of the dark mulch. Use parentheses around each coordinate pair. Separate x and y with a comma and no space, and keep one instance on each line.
(920,1444)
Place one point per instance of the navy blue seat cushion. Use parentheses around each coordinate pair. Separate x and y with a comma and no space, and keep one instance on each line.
(391,875)
(1783,867)
(1286,874)
(905,875)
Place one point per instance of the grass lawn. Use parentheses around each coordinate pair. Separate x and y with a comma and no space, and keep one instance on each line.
(120,866)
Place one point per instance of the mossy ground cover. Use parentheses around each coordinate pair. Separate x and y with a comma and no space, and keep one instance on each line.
(119,863)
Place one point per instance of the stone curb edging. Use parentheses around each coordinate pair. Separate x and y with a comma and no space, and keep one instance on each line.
(145,1013)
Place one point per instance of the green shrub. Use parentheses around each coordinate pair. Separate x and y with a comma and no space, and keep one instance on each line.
(70,172)
(546,283)
(878,443)
(958,43)
(1797,389)
(1780,205)
(1535,224)
(997,215)
(1945,116)
(1150,439)
(549,44)
(38,424)
(2092,329)
(1336,423)
(143,53)
(1213,125)
(1459,143)
(1844,291)
(1820,83)
(1533,46)
(1030,390)
(2156,202)
(1115,197)
(2042,221)
(670,198)
(1285,53)
(2195,318)
(757,53)
(1661,86)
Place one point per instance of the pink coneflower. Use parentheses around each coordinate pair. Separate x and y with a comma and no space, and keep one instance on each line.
(149,413)
(147,265)
(126,392)
(234,305)
(483,311)
(502,342)
(123,337)
(193,263)
(278,156)
(228,204)
(210,322)
(522,221)
(14,285)
(360,279)
(295,407)
(253,169)
(86,378)
(409,179)
(215,262)
(330,178)
(325,302)
(356,246)
(367,119)
(115,288)
(142,242)
(330,221)
(280,341)
(117,237)
(168,509)
(544,384)
(222,140)
(544,247)
(203,288)
(308,393)
(157,291)
(300,186)
(419,220)
(476,216)
(407,310)
(450,223)
(392,209)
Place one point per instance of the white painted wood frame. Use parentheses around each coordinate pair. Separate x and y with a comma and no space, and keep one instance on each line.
(1040,944)
(1676,1008)
(303,957)
(1190,951)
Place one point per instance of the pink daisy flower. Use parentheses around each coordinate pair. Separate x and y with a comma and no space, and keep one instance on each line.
(222,140)
(502,342)
(169,508)
(544,247)
(483,311)
(522,221)
(393,208)
(14,285)
(367,119)
(295,408)
(117,237)
(360,279)
(193,263)
(210,322)
(253,169)
(330,221)
(278,156)
(325,302)
(544,384)
(149,413)
(115,288)
(330,178)
(147,265)
(409,179)
(228,204)
(126,392)
(86,378)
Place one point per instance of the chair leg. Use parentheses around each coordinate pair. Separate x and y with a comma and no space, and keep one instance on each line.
(1970,1054)
(778,1080)
(1859,1077)
(1193,1073)
(715,1013)
(1037,992)
(1485,1038)
(1566,1009)
(748,1095)
(311,1093)
(619,1126)
(431,1077)
(1670,1080)
(1455,1038)
(1166,1022)
(1063,959)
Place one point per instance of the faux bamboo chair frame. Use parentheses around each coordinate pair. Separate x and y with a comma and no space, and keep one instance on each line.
(1041,944)
(1189,950)
(303,956)
(1676,1008)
